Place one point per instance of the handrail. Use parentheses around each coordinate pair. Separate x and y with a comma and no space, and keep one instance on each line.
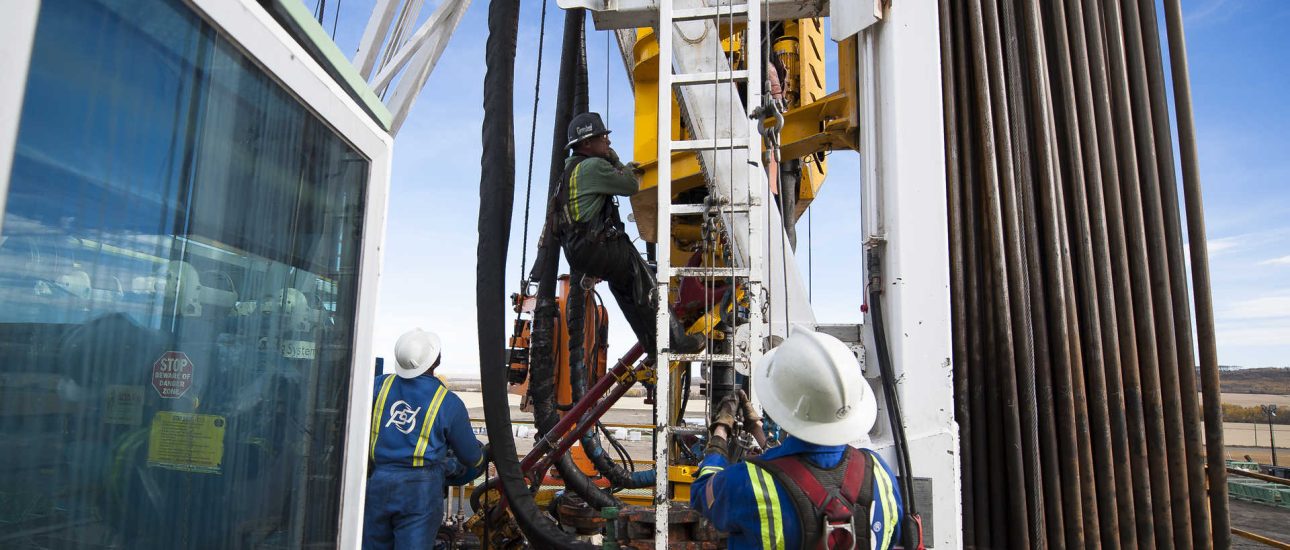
(1258,476)
(1260,538)
(606,424)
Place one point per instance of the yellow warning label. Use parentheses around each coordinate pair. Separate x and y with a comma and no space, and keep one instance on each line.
(187,442)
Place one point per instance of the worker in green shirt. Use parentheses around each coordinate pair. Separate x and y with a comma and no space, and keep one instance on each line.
(593,235)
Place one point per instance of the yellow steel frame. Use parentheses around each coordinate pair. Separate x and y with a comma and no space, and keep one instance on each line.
(814,123)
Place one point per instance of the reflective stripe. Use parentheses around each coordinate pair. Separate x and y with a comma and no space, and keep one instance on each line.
(573,192)
(777,518)
(771,520)
(378,410)
(419,454)
(888,500)
(706,470)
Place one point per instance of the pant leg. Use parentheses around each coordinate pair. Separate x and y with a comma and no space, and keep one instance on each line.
(420,502)
(630,279)
(378,528)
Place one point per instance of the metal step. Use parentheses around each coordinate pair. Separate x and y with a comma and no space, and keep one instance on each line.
(710,272)
(709,78)
(709,12)
(710,144)
(689,209)
(712,357)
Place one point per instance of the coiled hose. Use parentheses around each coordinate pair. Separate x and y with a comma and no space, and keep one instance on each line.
(496,200)
(615,472)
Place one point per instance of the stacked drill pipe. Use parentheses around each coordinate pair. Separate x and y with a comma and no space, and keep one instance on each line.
(1075,386)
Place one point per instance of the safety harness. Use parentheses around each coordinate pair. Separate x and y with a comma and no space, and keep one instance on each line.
(605,226)
(832,504)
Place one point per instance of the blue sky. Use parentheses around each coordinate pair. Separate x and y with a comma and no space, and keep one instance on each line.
(1240,78)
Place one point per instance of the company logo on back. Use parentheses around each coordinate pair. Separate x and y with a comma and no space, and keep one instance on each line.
(403,416)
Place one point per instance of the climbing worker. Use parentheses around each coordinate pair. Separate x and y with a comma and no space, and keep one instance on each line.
(592,233)
(813,490)
(416,422)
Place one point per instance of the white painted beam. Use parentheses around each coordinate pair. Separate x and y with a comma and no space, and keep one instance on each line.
(903,156)
(628,14)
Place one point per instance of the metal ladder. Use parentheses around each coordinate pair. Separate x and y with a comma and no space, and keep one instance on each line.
(750,263)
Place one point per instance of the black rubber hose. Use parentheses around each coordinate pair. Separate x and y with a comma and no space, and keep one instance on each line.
(909,529)
(496,201)
(570,97)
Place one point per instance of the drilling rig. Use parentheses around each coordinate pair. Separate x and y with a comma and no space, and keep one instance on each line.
(193,198)
(1027,318)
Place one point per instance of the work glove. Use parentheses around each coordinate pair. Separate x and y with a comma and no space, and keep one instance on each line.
(635,167)
(724,413)
(613,157)
(716,445)
(750,413)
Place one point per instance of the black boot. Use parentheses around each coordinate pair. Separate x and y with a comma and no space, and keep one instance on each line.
(685,343)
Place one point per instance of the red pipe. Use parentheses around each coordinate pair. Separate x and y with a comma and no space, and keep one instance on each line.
(574,414)
(568,438)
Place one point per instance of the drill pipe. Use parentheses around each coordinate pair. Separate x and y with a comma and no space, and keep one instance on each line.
(1168,194)
(1164,451)
(1010,285)
(958,309)
(1222,529)
(1107,404)
(1115,519)
(1162,297)
(1148,465)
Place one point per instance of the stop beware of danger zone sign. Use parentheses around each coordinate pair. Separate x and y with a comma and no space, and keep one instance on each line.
(172,374)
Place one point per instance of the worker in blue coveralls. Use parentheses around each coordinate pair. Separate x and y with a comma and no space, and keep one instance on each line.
(814,490)
(416,421)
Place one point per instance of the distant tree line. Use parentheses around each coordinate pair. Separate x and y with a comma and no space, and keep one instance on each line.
(1263,380)
(1237,413)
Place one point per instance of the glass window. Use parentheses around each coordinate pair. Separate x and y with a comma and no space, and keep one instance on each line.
(178,271)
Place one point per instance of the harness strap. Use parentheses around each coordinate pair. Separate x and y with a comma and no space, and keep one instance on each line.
(824,510)
(558,214)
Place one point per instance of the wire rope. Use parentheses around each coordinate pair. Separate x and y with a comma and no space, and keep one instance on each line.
(528,190)
(335,21)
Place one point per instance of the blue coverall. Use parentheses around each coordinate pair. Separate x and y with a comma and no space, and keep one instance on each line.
(415,422)
(733,499)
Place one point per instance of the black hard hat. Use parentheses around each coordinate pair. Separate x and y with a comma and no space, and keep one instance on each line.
(583,126)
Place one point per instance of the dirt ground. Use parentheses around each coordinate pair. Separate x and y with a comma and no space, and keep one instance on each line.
(1269,521)
(1256,399)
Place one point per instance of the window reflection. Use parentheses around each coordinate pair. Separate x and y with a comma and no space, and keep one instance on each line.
(178,269)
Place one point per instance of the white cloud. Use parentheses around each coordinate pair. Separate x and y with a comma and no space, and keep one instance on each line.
(1218,246)
(1272,306)
(1284,260)
(1210,12)
(1276,335)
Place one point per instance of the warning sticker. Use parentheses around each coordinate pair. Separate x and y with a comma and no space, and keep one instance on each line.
(124,405)
(298,349)
(187,442)
(172,374)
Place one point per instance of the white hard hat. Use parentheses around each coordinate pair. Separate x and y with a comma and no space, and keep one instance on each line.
(415,352)
(811,385)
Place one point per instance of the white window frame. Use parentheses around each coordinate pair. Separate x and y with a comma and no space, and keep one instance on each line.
(261,38)
(17,32)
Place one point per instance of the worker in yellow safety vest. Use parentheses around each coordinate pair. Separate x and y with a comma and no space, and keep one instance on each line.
(594,239)
(421,441)
(814,490)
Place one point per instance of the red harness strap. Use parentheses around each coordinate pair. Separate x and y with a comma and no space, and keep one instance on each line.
(841,508)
